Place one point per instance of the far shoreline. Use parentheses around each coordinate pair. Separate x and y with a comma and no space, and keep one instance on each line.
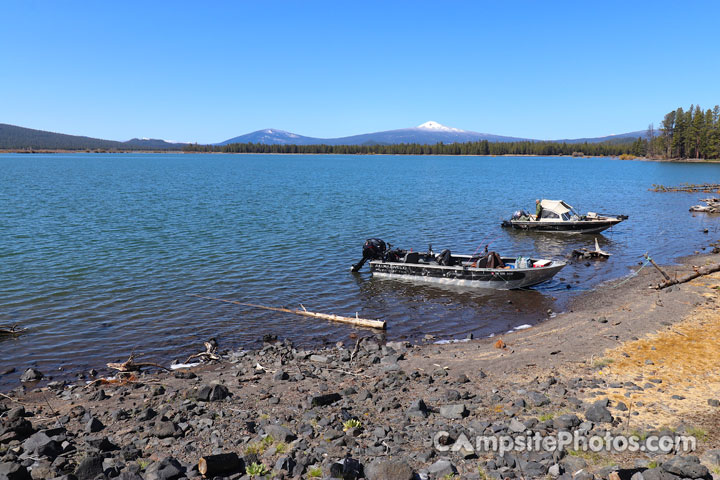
(611,157)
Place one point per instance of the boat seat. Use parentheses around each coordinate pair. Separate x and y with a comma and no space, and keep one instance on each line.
(412,257)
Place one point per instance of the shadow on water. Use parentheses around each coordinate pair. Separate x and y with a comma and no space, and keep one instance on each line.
(438,309)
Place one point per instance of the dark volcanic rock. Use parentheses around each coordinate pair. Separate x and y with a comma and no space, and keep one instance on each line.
(280,433)
(210,393)
(89,467)
(164,429)
(657,474)
(42,445)
(15,427)
(323,400)
(347,469)
(31,375)
(94,425)
(598,414)
(166,469)
(388,469)
(566,422)
(454,411)
(13,471)
(538,399)
(686,467)
(417,409)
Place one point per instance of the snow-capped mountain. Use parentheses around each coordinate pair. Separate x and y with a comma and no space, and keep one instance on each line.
(437,127)
(426,133)
(271,136)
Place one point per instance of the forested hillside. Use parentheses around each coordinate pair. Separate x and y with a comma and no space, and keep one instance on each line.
(19,138)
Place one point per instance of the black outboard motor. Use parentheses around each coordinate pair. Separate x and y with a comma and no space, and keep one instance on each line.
(374,249)
(445,258)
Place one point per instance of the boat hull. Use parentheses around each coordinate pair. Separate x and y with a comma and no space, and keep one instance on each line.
(492,278)
(580,226)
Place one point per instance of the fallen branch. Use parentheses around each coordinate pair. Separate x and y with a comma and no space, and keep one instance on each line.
(356,349)
(11,329)
(209,353)
(698,272)
(667,277)
(361,322)
(130,365)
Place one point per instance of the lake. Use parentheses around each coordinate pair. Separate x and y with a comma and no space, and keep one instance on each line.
(99,252)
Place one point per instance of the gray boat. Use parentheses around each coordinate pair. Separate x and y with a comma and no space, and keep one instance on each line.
(558,216)
(487,270)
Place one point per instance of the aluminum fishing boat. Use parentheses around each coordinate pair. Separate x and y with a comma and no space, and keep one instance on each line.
(487,270)
(558,216)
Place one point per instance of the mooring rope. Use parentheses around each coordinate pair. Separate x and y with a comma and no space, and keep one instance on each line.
(634,274)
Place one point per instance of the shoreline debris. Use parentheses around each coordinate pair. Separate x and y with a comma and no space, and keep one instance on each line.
(357,321)
(712,205)
(585,253)
(689,188)
(12,330)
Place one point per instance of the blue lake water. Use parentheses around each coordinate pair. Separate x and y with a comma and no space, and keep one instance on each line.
(99,252)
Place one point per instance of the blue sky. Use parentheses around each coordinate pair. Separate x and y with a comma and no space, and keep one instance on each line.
(208,71)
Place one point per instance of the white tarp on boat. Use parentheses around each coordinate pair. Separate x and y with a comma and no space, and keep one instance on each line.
(556,206)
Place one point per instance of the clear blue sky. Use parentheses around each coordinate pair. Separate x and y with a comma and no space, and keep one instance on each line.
(208,71)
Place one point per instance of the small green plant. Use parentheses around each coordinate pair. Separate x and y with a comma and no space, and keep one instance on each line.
(268,441)
(143,463)
(653,464)
(352,423)
(314,472)
(449,476)
(602,363)
(698,433)
(593,458)
(545,417)
(715,469)
(640,436)
(482,472)
(281,447)
(256,470)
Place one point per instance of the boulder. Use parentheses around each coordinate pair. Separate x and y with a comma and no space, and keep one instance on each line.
(598,414)
(13,471)
(454,411)
(417,409)
(280,433)
(89,467)
(31,375)
(388,469)
(686,467)
(324,400)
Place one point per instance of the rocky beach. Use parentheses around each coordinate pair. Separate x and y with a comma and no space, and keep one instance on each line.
(624,361)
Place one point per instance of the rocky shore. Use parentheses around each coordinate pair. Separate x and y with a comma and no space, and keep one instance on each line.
(390,411)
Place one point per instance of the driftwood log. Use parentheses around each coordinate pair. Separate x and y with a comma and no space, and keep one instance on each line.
(698,272)
(130,365)
(212,465)
(11,329)
(357,321)
(665,275)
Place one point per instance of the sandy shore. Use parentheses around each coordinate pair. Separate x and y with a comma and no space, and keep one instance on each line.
(625,359)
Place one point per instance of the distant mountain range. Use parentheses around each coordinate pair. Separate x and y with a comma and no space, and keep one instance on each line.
(427,133)
(18,138)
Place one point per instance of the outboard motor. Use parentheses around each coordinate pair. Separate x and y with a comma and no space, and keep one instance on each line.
(445,258)
(374,249)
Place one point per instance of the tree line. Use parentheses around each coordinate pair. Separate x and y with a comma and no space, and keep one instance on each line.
(469,148)
(691,133)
